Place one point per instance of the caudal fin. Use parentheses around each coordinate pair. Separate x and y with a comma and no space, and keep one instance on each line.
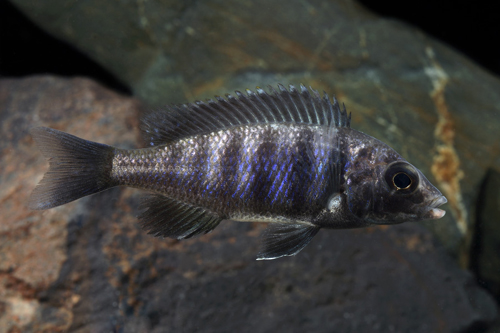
(77,168)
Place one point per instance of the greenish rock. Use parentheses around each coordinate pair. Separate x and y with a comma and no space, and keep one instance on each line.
(437,108)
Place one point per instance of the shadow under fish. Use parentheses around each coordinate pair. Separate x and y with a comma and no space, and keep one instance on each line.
(288,157)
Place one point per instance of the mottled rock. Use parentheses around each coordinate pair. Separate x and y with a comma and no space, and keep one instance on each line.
(33,245)
(87,266)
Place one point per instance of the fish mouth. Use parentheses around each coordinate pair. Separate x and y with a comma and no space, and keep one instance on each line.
(434,212)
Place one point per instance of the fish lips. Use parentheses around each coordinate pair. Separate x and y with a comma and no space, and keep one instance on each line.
(433,212)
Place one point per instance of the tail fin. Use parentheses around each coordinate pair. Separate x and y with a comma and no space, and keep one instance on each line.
(77,168)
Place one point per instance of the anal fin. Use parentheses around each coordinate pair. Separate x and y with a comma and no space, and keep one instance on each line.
(285,239)
(167,217)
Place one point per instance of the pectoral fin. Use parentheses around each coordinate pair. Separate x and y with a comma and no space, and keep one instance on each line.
(285,239)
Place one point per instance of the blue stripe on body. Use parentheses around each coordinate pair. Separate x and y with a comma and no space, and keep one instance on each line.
(244,174)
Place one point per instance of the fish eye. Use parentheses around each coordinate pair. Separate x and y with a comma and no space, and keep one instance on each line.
(402,177)
(401,181)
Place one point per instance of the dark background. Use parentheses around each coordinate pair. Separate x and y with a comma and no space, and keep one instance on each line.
(466,26)
(25,49)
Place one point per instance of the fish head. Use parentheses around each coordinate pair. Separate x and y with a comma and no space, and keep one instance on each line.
(385,189)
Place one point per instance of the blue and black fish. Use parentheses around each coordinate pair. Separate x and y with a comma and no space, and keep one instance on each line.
(288,157)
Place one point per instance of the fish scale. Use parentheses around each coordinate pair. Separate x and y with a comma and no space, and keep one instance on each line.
(190,170)
(288,157)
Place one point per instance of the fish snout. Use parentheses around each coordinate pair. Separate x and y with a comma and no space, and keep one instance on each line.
(434,212)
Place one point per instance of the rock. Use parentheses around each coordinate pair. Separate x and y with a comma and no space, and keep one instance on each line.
(403,87)
(33,245)
(87,267)
(487,261)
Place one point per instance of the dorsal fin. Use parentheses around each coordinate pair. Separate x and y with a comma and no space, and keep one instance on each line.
(283,106)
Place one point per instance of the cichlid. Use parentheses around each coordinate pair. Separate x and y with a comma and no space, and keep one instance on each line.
(288,157)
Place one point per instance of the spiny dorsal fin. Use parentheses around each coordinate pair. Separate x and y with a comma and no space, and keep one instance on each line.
(283,106)
(166,217)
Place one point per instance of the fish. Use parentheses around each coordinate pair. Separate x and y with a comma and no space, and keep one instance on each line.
(288,157)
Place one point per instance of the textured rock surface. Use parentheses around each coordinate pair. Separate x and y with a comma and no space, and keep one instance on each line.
(34,245)
(87,266)
(487,242)
(425,100)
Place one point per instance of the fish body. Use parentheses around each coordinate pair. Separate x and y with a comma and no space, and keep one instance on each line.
(289,158)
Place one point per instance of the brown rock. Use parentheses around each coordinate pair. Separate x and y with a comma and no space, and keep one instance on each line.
(87,266)
(33,245)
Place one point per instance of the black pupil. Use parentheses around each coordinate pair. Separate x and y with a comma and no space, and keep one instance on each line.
(401,180)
